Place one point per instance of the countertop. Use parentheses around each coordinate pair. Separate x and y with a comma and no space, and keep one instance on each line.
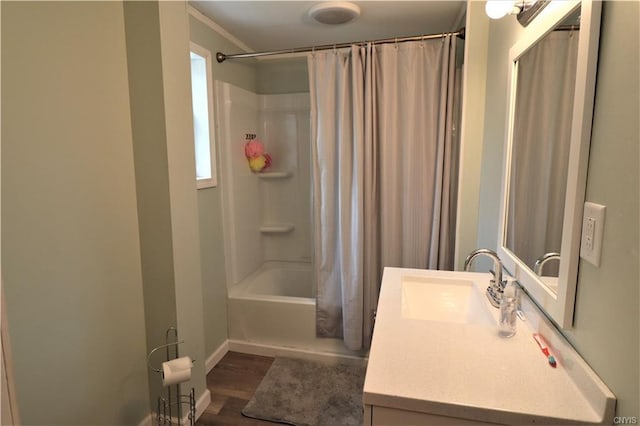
(468,371)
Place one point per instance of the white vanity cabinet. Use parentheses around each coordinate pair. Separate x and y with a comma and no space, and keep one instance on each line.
(436,358)
(383,416)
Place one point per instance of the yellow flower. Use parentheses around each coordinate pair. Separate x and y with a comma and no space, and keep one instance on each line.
(256,164)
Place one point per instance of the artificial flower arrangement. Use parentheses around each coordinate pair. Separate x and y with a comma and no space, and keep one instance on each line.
(259,160)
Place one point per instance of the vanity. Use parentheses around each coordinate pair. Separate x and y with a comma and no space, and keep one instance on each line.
(436,358)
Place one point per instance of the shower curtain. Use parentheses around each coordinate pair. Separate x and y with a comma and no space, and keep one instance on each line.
(384,171)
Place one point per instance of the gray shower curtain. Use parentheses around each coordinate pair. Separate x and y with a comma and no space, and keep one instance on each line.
(384,171)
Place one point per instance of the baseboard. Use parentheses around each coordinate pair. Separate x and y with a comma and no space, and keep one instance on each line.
(201,404)
(216,356)
(273,351)
(147,421)
(204,400)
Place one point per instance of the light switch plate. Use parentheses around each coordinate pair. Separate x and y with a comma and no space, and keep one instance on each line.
(592,231)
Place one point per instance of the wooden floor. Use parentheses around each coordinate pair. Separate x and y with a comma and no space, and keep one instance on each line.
(232,383)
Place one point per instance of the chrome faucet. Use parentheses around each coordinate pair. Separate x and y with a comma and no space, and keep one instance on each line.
(495,289)
(537,268)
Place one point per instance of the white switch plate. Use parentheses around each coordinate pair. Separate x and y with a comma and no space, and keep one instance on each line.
(592,231)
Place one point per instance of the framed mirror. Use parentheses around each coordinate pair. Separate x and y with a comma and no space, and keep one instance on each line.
(551,94)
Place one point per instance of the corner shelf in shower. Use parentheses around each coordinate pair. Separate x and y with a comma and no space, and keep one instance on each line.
(276,228)
(274,175)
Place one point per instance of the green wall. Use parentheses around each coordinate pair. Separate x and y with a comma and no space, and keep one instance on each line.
(185,233)
(70,249)
(214,289)
(101,244)
(282,75)
(471,129)
(606,318)
(152,181)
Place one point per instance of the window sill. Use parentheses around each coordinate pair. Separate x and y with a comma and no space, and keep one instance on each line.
(206,183)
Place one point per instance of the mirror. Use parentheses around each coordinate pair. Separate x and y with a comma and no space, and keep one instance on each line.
(551,90)
(545,83)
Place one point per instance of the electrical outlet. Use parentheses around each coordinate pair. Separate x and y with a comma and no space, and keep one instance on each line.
(592,231)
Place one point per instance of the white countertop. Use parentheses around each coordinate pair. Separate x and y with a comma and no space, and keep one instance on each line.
(468,371)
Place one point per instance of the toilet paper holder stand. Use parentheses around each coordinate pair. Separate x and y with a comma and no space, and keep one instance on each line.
(164,410)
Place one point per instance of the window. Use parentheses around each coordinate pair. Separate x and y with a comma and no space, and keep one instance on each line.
(202,98)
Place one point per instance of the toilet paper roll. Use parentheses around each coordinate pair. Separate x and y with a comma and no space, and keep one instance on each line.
(176,371)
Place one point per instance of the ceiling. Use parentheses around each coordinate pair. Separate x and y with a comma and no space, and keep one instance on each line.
(274,25)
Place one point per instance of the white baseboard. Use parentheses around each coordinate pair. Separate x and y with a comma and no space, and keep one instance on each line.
(205,399)
(147,421)
(201,404)
(216,356)
(273,351)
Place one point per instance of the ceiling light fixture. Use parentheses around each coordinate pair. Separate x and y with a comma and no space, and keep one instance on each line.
(334,12)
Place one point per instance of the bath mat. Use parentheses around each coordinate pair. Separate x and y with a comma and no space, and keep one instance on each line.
(310,393)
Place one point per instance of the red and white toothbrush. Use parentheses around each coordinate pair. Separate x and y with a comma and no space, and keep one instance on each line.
(545,350)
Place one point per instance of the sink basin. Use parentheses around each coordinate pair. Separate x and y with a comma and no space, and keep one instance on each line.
(445,300)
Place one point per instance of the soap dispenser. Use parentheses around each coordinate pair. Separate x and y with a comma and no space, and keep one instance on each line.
(508,309)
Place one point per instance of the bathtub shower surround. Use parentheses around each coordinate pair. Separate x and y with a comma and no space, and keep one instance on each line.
(267,221)
(267,214)
(385,172)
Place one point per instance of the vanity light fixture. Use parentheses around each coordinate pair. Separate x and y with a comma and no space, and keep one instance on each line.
(525,10)
(497,9)
(334,12)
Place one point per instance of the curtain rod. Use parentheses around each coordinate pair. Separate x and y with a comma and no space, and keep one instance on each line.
(221,57)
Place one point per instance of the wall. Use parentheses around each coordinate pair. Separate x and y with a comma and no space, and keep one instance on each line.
(283,75)
(185,232)
(152,182)
(606,319)
(214,290)
(70,250)
(503,33)
(471,128)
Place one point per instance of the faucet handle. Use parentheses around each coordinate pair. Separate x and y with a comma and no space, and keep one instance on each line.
(500,286)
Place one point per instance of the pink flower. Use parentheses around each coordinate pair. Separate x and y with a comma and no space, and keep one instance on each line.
(253,148)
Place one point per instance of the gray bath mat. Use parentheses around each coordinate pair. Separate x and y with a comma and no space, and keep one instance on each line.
(310,393)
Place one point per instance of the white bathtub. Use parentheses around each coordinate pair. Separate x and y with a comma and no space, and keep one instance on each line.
(274,307)
(288,279)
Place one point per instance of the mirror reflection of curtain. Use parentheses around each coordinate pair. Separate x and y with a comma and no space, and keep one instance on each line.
(383,157)
(542,131)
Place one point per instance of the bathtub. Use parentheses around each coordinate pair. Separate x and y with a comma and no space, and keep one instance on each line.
(275,307)
(278,279)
